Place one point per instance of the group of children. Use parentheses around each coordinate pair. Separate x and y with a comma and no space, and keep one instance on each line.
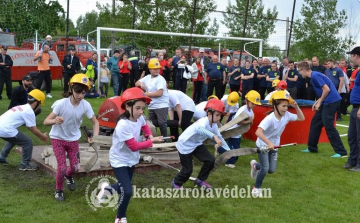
(124,152)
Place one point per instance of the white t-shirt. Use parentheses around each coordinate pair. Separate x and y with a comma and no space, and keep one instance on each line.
(242,109)
(271,93)
(346,82)
(153,84)
(14,118)
(189,139)
(120,155)
(178,97)
(273,127)
(199,111)
(228,108)
(73,116)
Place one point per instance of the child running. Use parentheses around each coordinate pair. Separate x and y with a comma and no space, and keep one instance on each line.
(252,98)
(66,119)
(190,144)
(124,152)
(268,133)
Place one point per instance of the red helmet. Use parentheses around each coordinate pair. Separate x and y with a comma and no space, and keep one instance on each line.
(133,93)
(215,104)
(282,85)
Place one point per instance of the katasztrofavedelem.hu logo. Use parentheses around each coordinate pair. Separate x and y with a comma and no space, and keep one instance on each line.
(99,193)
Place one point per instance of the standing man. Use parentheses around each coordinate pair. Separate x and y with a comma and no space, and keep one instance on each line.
(204,61)
(353,162)
(217,77)
(262,77)
(316,66)
(112,65)
(71,65)
(5,72)
(336,75)
(44,69)
(19,95)
(174,64)
(325,107)
(134,72)
(291,77)
(284,67)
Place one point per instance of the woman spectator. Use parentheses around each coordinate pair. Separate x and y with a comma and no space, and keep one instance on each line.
(256,68)
(124,68)
(198,81)
(180,81)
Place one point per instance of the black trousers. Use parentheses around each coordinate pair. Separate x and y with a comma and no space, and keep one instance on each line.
(185,122)
(5,78)
(202,154)
(44,75)
(234,87)
(125,82)
(245,89)
(217,84)
(134,76)
(197,91)
(262,91)
(325,118)
(67,77)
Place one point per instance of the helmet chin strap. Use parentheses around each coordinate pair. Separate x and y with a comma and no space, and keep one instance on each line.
(276,108)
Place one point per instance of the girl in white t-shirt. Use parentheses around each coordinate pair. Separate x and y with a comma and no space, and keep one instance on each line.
(66,119)
(252,98)
(190,144)
(124,152)
(268,133)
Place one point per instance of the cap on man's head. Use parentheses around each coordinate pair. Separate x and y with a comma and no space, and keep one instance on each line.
(201,50)
(356,50)
(48,37)
(27,77)
(116,51)
(71,49)
(4,48)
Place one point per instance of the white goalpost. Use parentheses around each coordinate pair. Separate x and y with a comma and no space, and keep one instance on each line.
(171,34)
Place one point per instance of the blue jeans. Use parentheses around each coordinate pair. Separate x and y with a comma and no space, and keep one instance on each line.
(354,138)
(267,165)
(115,78)
(21,140)
(325,117)
(204,92)
(123,187)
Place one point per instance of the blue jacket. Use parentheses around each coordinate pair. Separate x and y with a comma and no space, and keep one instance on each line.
(112,64)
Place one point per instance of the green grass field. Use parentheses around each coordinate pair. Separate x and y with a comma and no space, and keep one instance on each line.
(304,188)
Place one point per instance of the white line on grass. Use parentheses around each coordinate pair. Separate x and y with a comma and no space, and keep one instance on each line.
(340,125)
(343,135)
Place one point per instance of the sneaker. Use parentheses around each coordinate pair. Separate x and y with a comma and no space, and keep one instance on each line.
(356,169)
(48,95)
(174,185)
(29,166)
(59,195)
(254,171)
(305,150)
(337,155)
(3,162)
(104,192)
(230,165)
(120,220)
(348,166)
(70,183)
(256,192)
(202,183)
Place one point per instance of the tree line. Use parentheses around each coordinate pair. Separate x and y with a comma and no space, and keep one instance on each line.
(317,32)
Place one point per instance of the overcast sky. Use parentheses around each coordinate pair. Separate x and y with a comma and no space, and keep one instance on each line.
(284,7)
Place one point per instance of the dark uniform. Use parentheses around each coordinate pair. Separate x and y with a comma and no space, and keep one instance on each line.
(5,73)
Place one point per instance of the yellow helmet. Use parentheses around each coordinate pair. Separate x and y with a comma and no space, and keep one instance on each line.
(275,83)
(212,97)
(154,64)
(80,79)
(254,97)
(38,95)
(233,98)
(281,95)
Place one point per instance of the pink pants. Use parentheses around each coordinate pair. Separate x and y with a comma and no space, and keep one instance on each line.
(62,147)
